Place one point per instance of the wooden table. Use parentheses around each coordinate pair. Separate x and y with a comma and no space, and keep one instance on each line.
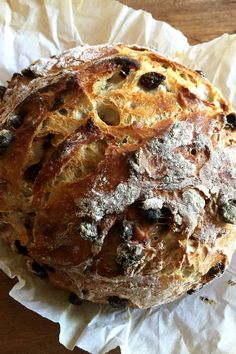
(199,20)
(24,332)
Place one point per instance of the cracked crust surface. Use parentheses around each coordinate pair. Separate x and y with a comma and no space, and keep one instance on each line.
(118,174)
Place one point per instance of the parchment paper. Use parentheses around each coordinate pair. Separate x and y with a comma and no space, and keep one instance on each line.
(33,29)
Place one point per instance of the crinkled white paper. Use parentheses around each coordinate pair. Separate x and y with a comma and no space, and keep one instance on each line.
(30,29)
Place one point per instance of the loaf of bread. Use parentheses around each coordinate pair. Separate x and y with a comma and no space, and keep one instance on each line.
(118,175)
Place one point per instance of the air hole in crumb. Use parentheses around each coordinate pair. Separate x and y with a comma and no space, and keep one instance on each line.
(116,78)
(133,105)
(58,102)
(32,172)
(165,65)
(21,248)
(63,112)
(193,151)
(161,231)
(48,141)
(183,75)
(27,225)
(109,114)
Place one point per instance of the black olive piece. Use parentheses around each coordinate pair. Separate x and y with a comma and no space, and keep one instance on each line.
(228,211)
(21,249)
(2,91)
(16,120)
(231,120)
(128,254)
(58,103)
(126,230)
(48,140)
(191,291)
(88,231)
(216,271)
(28,73)
(151,215)
(39,270)
(6,137)
(165,216)
(200,72)
(74,299)
(160,216)
(32,172)
(15,75)
(49,268)
(117,303)
(151,80)
(126,64)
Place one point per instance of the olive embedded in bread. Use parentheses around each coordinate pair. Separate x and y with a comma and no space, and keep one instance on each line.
(228,211)
(15,120)
(74,299)
(151,80)
(117,303)
(120,175)
(88,231)
(231,120)
(6,138)
(217,270)
(126,64)
(39,270)
(160,216)
(129,254)
(27,72)
(126,230)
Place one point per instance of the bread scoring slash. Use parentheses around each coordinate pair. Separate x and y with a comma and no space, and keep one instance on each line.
(118,175)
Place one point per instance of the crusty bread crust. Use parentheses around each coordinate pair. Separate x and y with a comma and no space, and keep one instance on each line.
(118,174)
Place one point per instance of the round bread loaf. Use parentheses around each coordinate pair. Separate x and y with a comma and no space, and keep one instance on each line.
(118,175)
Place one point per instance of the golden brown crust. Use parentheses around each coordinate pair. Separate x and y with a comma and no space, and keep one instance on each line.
(118,174)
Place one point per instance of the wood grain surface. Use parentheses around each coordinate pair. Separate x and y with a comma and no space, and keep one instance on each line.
(199,20)
(24,332)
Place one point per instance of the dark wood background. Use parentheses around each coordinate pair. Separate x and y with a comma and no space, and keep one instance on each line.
(24,332)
